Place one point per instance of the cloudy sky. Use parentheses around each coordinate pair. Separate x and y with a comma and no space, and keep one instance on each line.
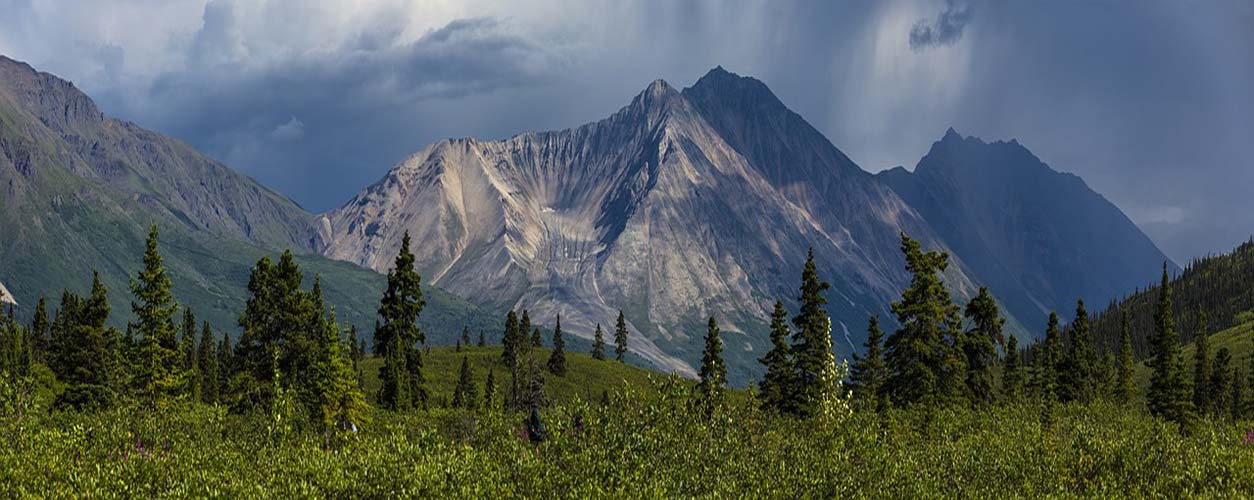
(1151,102)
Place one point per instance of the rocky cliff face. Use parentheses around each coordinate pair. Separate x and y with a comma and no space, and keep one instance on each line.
(680,206)
(1040,239)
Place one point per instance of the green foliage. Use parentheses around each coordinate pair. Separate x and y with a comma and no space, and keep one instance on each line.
(207,365)
(922,364)
(398,336)
(713,374)
(1201,367)
(1079,373)
(869,372)
(1012,381)
(510,340)
(160,374)
(1168,395)
(620,337)
(809,356)
(598,344)
(465,394)
(979,345)
(1125,387)
(557,359)
(777,383)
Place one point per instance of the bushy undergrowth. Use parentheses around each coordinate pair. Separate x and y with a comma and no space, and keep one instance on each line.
(644,443)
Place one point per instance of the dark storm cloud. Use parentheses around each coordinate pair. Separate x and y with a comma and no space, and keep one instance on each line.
(946,29)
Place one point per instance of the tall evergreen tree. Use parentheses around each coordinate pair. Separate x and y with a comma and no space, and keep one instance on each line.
(522,342)
(1125,386)
(483,342)
(161,376)
(465,395)
(226,368)
(620,337)
(339,400)
(1052,358)
(713,371)
(1168,395)
(1012,371)
(84,354)
(39,328)
(922,363)
(1201,366)
(207,366)
(489,389)
(868,372)
(402,303)
(465,335)
(598,344)
(979,345)
(1220,384)
(557,359)
(1078,377)
(509,341)
(187,345)
(777,383)
(354,348)
(536,342)
(808,353)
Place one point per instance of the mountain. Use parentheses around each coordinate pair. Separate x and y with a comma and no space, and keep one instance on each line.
(5,296)
(1040,239)
(78,191)
(682,205)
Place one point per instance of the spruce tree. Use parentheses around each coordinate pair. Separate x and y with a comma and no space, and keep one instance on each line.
(509,341)
(557,359)
(1220,384)
(777,382)
(84,354)
(620,337)
(466,336)
(483,342)
(979,345)
(713,371)
(1052,358)
(339,400)
(207,366)
(160,376)
(39,328)
(1201,366)
(1168,395)
(521,341)
(398,335)
(1079,373)
(226,368)
(354,348)
(1012,371)
(808,353)
(465,395)
(1125,385)
(598,344)
(536,342)
(921,359)
(187,344)
(868,372)
(489,389)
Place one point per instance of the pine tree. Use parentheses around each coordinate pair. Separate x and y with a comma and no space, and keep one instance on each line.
(521,341)
(1168,395)
(84,354)
(161,377)
(226,368)
(557,359)
(1220,384)
(39,331)
(620,337)
(354,349)
(400,307)
(868,372)
(207,366)
(1048,372)
(1201,366)
(489,389)
(1079,373)
(1125,386)
(979,345)
(1012,371)
(713,371)
(811,335)
(483,342)
(922,363)
(536,342)
(777,382)
(465,395)
(598,344)
(187,345)
(465,336)
(339,399)
(509,341)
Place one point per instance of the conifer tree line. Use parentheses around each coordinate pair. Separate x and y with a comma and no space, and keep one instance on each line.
(933,358)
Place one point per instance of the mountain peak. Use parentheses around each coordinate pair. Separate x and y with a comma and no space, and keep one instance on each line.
(951,135)
(54,100)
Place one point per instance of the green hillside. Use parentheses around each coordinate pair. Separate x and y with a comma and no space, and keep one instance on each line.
(585,379)
(1239,340)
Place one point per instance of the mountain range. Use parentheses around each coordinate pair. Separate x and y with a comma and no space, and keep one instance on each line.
(684,204)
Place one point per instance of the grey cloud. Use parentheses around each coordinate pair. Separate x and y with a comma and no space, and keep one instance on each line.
(291,130)
(946,29)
